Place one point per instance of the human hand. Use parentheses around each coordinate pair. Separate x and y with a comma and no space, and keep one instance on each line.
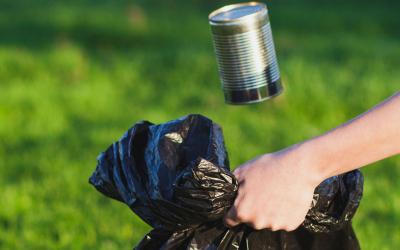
(275,192)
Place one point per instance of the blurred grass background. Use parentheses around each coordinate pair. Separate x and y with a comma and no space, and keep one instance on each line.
(75,75)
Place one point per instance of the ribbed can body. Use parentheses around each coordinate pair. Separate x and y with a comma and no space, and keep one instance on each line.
(245,53)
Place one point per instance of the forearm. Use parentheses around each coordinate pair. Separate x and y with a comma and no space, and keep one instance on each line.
(368,138)
(291,175)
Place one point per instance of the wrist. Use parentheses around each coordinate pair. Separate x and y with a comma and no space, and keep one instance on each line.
(315,161)
(302,161)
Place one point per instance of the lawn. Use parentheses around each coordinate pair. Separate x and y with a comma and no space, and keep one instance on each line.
(75,75)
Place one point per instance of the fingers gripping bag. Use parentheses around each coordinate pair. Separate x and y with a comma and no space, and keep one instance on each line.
(175,176)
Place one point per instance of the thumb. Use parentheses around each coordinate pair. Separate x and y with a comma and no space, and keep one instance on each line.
(237,173)
(230,218)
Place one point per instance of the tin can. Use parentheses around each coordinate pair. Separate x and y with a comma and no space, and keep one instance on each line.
(245,53)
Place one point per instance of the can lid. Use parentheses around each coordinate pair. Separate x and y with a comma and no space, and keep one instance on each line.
(237,12)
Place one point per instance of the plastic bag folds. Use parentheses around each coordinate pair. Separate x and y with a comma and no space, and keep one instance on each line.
(176,177)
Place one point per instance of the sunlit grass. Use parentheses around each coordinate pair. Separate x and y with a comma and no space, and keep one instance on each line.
(74,77)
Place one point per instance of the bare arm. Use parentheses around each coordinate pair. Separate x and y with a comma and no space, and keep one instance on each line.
(370,137)
(275,190)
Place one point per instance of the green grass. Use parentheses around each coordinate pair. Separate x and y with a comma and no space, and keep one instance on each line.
(75,76)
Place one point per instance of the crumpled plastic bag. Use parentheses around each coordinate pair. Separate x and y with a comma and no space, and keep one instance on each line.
(176,177)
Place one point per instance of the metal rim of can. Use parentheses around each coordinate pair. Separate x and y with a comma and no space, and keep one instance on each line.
(238,25)
(263,93)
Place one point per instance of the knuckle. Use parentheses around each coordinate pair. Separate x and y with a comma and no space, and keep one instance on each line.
(290,228)
(241,214)
(275,228)
(237,173)
(268,227)
(238,201)
(257,225)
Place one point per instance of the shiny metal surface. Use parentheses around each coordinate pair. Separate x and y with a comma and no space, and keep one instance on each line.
(245,53)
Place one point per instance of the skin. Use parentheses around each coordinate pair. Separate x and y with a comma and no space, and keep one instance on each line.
(276,189)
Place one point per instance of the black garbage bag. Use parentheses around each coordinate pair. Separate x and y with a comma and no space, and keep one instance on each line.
(176,177)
